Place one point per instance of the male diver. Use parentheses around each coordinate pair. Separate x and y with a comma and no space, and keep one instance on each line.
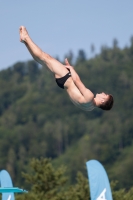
(67,78)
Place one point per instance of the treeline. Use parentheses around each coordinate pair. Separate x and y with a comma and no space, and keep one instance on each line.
(37,119)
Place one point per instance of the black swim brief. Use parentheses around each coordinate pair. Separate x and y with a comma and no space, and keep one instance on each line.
(61,81)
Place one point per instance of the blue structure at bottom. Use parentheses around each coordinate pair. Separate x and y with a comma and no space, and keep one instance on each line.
(7,188)
(98,181)
(5,181)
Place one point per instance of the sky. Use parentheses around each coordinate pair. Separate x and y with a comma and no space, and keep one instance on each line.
(60,26)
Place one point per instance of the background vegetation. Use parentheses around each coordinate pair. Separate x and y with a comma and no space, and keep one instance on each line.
(37,119)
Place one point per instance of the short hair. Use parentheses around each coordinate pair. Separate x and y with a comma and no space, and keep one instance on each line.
(108,104)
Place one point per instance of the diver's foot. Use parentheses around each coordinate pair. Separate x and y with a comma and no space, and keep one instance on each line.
(23,34)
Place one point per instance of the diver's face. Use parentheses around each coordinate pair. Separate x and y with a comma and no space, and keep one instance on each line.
(102,97)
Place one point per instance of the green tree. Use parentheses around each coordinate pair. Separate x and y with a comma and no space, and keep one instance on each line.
(49,183)
(81,56)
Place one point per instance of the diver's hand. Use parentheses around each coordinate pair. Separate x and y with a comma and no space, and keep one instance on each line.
(71,68)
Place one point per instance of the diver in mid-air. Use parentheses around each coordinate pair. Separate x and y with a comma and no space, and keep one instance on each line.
(66,77)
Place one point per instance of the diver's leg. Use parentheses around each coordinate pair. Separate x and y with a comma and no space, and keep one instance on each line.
(43,58)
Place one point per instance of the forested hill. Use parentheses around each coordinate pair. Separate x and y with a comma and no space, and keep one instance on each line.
(38,119)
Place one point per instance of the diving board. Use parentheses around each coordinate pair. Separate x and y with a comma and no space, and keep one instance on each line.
(12,190)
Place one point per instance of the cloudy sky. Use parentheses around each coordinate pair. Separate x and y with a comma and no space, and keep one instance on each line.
(58,26)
